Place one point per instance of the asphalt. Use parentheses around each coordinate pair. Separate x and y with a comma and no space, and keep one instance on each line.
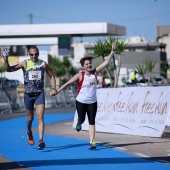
(149,148)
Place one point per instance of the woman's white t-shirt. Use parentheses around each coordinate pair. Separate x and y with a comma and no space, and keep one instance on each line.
(87,89)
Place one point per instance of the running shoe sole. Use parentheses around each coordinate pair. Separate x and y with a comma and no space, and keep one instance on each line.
(41,145)
(92,147)
(30,138)
(78,127)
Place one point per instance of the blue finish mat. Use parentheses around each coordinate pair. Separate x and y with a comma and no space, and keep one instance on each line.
(63,153)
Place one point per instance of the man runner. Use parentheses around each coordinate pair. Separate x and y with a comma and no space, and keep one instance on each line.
(33,70)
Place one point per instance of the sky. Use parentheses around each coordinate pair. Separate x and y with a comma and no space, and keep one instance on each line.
(140,17)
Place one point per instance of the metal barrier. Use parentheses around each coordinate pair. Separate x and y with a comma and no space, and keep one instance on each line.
(61,99)
(20,93)
(65,98)
(69,96)
(50,101)
(12,99)
(5,104)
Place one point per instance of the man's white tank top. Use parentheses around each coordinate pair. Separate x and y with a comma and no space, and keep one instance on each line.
(87,89)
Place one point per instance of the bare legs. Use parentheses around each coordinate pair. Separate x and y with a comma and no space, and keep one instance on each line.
(40,117)
(92,135)
(30,118)
(92,132)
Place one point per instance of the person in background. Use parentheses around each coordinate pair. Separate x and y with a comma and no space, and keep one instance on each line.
(33,70)
(101,82)
(133,79)
(86,100)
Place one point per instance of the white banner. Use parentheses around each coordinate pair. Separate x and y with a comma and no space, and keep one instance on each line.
(134,110)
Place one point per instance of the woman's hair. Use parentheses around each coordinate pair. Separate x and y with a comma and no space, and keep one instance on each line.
(33,47)
(82,61)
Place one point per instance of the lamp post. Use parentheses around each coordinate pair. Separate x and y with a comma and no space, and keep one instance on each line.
(30,18)
(155,16)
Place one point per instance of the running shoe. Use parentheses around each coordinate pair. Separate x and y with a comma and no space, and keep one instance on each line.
(41,145)
(92,145)
(30,138)
(78,127)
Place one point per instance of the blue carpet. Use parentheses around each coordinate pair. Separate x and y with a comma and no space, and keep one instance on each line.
(63,153)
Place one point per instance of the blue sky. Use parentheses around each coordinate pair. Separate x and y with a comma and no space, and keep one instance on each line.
(138,16)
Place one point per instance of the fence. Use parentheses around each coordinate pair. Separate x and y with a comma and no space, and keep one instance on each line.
(12,99)
(5,104)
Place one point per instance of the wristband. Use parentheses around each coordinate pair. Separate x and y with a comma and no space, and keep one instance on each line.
(112,52)
(53,88)
(5,56)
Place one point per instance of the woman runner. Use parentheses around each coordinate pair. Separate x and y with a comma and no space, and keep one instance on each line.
(86,100)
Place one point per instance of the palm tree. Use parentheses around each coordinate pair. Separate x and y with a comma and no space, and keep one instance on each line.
(166,72)
(62,69)
(150,64)
(102,49)
(141,70)
(56,66)
(66,66)
(146,68)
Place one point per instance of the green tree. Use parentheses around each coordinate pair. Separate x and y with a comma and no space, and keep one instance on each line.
(149,64)
(141,70)
(144,69)
(2,70)
(166,72)
(102,49)
(63,69)
(56,66)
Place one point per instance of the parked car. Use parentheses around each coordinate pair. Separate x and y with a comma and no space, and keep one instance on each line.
(159,80)
(154,80)
(9,83)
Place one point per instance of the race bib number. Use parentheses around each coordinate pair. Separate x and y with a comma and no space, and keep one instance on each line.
(91,83)
(34,75)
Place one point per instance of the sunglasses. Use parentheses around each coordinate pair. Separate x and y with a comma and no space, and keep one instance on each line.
(34,54)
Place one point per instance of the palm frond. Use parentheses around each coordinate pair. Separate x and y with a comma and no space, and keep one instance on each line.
(140,69)
(150,64)
(99,48)
(2,68)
